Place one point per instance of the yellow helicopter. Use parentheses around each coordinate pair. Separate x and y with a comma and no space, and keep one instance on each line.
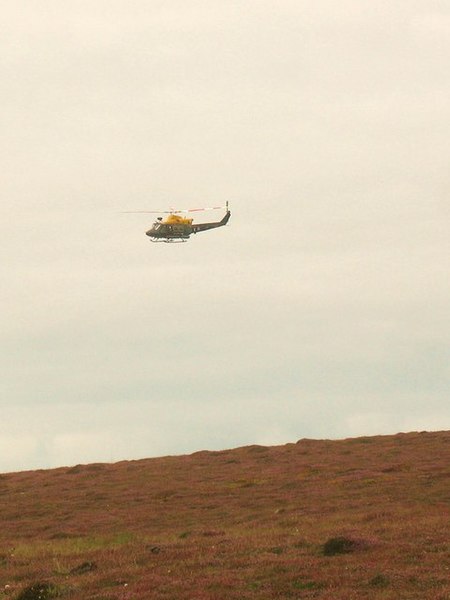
(175,228)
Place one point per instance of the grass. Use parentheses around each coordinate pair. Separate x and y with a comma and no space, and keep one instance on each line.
(250,523)
(74,546)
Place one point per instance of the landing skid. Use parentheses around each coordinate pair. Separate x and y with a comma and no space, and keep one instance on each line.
(170,240)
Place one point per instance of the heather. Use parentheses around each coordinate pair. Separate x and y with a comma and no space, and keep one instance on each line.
(360,518)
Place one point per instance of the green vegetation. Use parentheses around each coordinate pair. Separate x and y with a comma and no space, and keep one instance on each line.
(352,519)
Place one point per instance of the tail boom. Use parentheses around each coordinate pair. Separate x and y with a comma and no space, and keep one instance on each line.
(205,226)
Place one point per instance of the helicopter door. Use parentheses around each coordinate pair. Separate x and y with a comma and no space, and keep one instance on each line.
(178,230)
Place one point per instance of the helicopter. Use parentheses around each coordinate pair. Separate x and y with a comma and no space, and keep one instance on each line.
(175,228)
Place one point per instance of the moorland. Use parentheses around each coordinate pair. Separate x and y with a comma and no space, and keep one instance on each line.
(361,518)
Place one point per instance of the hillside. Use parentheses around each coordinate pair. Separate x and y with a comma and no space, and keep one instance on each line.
(247,523)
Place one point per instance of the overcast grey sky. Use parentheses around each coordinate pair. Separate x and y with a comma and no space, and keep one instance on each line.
(321,310)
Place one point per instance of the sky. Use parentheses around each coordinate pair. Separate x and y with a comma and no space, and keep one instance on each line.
(319,311)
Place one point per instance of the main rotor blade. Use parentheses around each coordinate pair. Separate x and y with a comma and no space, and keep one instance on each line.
(172,212)
(197,209)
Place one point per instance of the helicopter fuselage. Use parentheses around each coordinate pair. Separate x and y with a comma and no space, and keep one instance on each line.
(178,229)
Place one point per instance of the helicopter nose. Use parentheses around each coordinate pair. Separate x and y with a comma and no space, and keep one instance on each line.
(149,232)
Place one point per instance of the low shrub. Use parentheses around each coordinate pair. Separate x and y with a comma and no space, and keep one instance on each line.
(85,567)
(339,545)
(379,581)
(39,591)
